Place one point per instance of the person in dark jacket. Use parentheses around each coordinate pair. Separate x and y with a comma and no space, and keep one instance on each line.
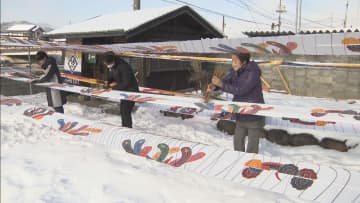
(244,83)
(55,98)
(120,76)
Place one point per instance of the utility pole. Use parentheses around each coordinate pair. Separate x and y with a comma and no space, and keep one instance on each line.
(136,5)
(29,60)
(346,11)
(223,25)
(300,5)
(280,10)
(298,16)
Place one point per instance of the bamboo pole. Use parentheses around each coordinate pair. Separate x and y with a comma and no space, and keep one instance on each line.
(29,60)
(283,80)
(268,86)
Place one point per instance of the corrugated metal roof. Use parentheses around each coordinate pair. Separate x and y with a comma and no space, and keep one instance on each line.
(121,22)
(310,31)
(267,33)
(21,27)
(321,31)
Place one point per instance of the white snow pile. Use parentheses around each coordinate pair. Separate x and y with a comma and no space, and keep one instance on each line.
(42,164)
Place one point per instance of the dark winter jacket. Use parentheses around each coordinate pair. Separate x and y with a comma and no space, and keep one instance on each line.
(123,75)
(55,98)
(245,85)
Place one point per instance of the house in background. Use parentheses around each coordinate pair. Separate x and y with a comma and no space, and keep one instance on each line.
(174,23)
(24,31)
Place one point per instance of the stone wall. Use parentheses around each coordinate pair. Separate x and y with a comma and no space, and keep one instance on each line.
(12,88)
(338,83)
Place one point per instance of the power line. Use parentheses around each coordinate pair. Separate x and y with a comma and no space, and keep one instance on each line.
(170,2)
(218,13)
(257,9)
(253,11)
(214,12)
(247,7)
(315,22)
(308,20)
(264,13)
(236,4)
(252,4)
(267,14)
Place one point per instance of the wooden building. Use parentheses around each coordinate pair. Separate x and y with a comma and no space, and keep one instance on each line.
(24,31)
(174,23)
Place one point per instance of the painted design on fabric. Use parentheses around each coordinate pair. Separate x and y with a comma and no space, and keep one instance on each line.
(301,180)
(165,155)
(38,113)
(73,128)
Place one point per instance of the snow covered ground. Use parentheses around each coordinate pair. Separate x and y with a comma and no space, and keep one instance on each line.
(41,164)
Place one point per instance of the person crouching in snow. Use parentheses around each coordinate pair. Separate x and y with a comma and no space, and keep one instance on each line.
(244,83)
(55,98)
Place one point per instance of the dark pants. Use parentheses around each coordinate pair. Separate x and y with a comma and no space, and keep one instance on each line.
(59,109)
(125,112)
(253,130)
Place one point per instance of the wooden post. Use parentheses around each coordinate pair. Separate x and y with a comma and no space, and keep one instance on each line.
(29,59)
(141,71)
(283,80)
(197,76)
(266,84)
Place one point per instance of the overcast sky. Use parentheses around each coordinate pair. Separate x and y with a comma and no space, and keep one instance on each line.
(316,14)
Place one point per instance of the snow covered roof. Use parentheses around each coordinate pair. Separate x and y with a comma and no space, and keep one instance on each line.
(22,27)
(119,22)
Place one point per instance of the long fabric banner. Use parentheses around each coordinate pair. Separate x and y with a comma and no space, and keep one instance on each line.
(197,106)
(303,125)
(346,43)
(312,44)
(335,44)
(283,122)
(307,181)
